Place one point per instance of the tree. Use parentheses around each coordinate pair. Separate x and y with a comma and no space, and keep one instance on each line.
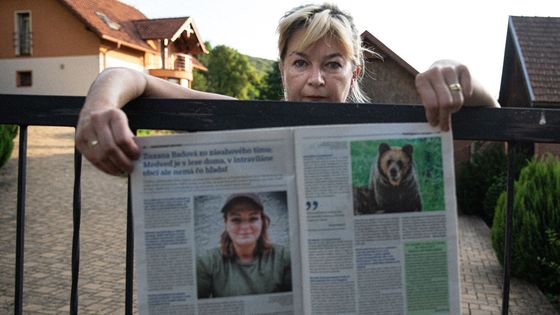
(271,87)
(229,73)
(199,76)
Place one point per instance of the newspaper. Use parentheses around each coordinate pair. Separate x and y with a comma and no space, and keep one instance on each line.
(351,219)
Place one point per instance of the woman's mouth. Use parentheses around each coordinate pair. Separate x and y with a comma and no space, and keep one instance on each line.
(314,98)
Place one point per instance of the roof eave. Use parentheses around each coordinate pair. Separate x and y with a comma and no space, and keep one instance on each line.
(367,35)
(126,44)
(517,48)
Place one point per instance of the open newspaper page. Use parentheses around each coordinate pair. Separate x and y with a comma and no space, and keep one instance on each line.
(379,234)
(215,224)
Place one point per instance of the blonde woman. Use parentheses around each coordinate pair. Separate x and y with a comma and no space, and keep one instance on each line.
(320,58)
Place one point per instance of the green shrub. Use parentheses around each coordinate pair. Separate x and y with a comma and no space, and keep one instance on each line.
(475,176)
(536,224)
(7,135)
(498,186)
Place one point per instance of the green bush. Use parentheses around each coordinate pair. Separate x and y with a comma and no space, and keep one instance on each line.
(536,224)
(498,186)
(475,176)
(7,135)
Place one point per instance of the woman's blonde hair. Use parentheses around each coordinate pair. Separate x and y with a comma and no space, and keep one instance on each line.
(320,21)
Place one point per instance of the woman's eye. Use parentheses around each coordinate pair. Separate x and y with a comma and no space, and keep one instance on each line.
(236,220)
(333,65)
(299,63)
(255,219)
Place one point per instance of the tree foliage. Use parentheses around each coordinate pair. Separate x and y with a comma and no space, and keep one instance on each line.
(234,74)
(271,87)
(229,73)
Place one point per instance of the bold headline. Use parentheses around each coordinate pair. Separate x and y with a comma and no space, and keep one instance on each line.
(183,162)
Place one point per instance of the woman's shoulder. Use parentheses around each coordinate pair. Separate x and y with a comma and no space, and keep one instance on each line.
(280,251)
(210,255)
(279,248)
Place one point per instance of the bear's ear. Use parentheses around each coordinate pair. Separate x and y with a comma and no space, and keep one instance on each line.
(408,149)
(384,147)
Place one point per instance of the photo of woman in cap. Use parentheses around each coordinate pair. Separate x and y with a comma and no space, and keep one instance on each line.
(246,262)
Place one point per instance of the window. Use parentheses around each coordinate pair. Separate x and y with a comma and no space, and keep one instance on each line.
(174,80)
(23,78)
(23,33)
(112,24)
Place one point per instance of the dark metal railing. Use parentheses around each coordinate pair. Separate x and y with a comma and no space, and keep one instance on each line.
(513,126)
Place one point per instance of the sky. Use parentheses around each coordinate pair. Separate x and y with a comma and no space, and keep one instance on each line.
(419,31)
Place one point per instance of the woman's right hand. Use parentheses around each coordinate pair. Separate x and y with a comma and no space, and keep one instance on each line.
(104,138)
(102,134)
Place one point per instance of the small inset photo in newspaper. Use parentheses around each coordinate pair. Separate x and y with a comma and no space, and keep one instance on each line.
(397,175)
(242,244)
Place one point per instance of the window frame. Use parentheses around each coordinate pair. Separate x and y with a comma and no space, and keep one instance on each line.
(19,74)
(17,36)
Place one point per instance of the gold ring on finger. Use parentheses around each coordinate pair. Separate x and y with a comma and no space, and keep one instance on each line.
(456,87)
(93,143)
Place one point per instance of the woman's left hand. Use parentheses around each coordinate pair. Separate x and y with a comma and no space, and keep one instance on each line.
(443,89)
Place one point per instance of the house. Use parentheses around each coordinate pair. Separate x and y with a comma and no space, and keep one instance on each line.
(387,71)
(58,47)
(390,80)
(531,69)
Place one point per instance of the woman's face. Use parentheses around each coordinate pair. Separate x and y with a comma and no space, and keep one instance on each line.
(320,73)
(244,224)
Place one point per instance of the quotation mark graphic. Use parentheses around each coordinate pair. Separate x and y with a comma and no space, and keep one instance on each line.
(312,205)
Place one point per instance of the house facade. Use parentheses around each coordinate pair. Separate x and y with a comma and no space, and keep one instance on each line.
(531,69)
(57,47)
(385,71)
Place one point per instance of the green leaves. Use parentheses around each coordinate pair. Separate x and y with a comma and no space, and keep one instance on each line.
(536,224)
(234,74)
(7,134)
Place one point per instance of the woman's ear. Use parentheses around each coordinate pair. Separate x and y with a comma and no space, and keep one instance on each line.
(357,72)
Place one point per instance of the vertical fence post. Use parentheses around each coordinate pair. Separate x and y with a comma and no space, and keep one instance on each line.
(77,208)
(509,225)
(129,281)
(20,232)
(129,254)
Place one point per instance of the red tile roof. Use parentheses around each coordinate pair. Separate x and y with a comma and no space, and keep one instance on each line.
(98,15)
(160,28)
(539,41)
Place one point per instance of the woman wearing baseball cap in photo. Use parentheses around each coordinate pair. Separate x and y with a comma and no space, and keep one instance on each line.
(246,262)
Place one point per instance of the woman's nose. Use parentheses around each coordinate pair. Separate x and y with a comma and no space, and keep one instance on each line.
(316,78)
(244,225)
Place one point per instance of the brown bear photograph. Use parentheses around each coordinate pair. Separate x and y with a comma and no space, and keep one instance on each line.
(397,175)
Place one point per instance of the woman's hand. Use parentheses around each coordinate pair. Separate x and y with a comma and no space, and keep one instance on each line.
(102,133)
(104,138)
(444,89)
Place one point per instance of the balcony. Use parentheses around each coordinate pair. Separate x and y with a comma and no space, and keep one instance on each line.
(178,67)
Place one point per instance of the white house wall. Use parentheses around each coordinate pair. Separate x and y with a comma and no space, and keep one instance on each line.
(111,61)
(50,76)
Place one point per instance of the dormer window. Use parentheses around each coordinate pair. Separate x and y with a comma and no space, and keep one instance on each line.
(112,24)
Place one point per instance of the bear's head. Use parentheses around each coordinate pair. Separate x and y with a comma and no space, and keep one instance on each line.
(395,163)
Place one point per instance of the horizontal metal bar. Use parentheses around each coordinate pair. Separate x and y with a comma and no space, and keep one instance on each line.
(504,124)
